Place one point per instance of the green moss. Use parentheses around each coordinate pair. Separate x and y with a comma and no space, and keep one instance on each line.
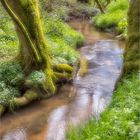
(83,66)
(57,30)
(8,72)
(21,101)
(31,95)
(63,76)
(63,68)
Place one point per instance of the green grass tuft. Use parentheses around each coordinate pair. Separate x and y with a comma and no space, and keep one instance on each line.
(114,16)
(63,41)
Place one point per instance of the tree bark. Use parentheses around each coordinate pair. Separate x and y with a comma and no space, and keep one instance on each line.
(34,54)
(132,50)
(26,16)
(100,6)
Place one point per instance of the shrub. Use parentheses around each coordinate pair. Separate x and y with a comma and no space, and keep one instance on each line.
(119,5)
(122,27)
(8,72)
(116,11)
(108,20)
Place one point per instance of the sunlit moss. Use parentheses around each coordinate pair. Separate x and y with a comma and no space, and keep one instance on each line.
(83,66)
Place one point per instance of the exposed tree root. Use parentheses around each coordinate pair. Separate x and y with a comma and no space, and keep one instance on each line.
(63,68)
(27,98)
(62,76)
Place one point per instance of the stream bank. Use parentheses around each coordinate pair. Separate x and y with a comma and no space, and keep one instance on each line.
(48,119)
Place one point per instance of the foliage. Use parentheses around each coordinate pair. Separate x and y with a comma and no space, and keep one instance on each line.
(8,39)
(116,11)
(8,72)
(132,49)
(120,121)
(122,27)
(36,77)
(63,40)
(108,20)
(60,36)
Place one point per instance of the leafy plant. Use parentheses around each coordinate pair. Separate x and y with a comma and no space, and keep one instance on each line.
(116,11)
(122,27)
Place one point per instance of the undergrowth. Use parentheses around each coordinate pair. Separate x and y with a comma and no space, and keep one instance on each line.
(114,17)
(8,90)
(63,40)
(120,121)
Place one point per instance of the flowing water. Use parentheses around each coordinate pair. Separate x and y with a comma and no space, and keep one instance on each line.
(88,96)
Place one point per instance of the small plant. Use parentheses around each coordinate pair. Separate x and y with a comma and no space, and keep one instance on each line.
(122,27)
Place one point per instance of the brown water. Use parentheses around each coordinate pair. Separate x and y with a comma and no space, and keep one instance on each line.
(88,96)
(91,34)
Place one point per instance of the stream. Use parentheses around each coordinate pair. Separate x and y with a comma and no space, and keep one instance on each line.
(74,104)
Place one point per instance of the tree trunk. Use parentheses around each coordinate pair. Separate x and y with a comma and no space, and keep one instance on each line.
(99,6)
(26,16)
(132,51)
(34,54)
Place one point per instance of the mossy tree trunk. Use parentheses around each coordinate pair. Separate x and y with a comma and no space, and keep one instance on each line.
(34,53)
(33,50)
(132,51)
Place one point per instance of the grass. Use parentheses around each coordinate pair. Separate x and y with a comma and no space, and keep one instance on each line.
(64,40)
(8,90)
(120,121)
(115,14)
